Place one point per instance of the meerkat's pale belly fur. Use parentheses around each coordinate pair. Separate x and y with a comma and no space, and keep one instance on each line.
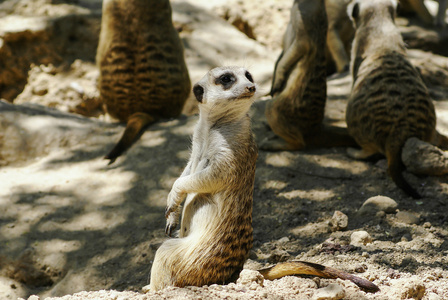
(216,229)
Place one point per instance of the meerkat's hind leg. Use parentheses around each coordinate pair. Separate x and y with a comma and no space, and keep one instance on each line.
(422,11)
(277,143)
(441,14)
(361,154)
(285,64)
(337,50)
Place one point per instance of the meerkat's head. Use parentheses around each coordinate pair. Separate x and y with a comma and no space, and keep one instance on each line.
(226,89)
(362,11)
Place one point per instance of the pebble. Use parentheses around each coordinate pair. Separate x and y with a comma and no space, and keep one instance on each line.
(360,238)
(283,240)
(407,218)
(331,292)
(433,296)
(338,222)
(247,277)
(414,289)
(423,158)
(378,203)
(11,289)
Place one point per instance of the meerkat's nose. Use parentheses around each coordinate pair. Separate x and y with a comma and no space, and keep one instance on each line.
(251,89)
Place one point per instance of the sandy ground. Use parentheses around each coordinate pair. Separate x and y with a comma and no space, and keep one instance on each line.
(72,227)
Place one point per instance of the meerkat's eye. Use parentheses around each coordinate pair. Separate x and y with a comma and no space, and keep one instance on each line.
(249,77)
(226,78)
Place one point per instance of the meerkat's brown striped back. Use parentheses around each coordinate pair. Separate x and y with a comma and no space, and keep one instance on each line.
(299,87)
(389,101)
(143,75)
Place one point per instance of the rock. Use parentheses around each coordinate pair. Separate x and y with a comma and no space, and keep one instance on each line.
(414,289)
(378,203)
(360,238)
(339,221)
(423,158)
(331,292)
(407,218)
(283,240)
(248,277)
(11,289)
(278,255)
(433,296)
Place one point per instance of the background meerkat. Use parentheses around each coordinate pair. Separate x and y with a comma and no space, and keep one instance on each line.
(389,102)
(340,33)
(216,229)
(299,84)
(143,75)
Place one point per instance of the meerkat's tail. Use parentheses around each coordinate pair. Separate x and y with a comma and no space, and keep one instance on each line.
(332,136)
(307,268)
(134,129)
(396,168)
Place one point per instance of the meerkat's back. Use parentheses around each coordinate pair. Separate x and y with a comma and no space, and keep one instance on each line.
(389,101)
(143,75)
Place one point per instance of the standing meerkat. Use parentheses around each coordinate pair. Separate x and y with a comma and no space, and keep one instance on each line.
(216,229)
(299,87)
(389,102)
(215,234)
(143,75)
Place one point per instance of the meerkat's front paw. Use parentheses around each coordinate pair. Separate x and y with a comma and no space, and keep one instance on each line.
(171,223)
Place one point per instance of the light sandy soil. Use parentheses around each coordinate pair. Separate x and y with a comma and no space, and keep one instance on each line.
(72,227)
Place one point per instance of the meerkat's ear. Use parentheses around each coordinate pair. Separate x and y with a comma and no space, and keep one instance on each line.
(198,92)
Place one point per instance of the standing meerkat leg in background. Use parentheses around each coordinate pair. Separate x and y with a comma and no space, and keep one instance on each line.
(299,88)
(441,13)
(340,29)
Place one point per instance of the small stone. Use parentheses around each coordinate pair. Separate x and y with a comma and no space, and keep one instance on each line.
(423,158)
(433,296)
(427,225)
(360,238)
(283,240)
(414,289)
(331,292)
(247,277)
(378,203)
(338,222)
(407,218)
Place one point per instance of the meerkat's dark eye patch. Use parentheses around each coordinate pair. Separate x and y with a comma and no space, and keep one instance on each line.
(249,77)
(226,80)
(198,92)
